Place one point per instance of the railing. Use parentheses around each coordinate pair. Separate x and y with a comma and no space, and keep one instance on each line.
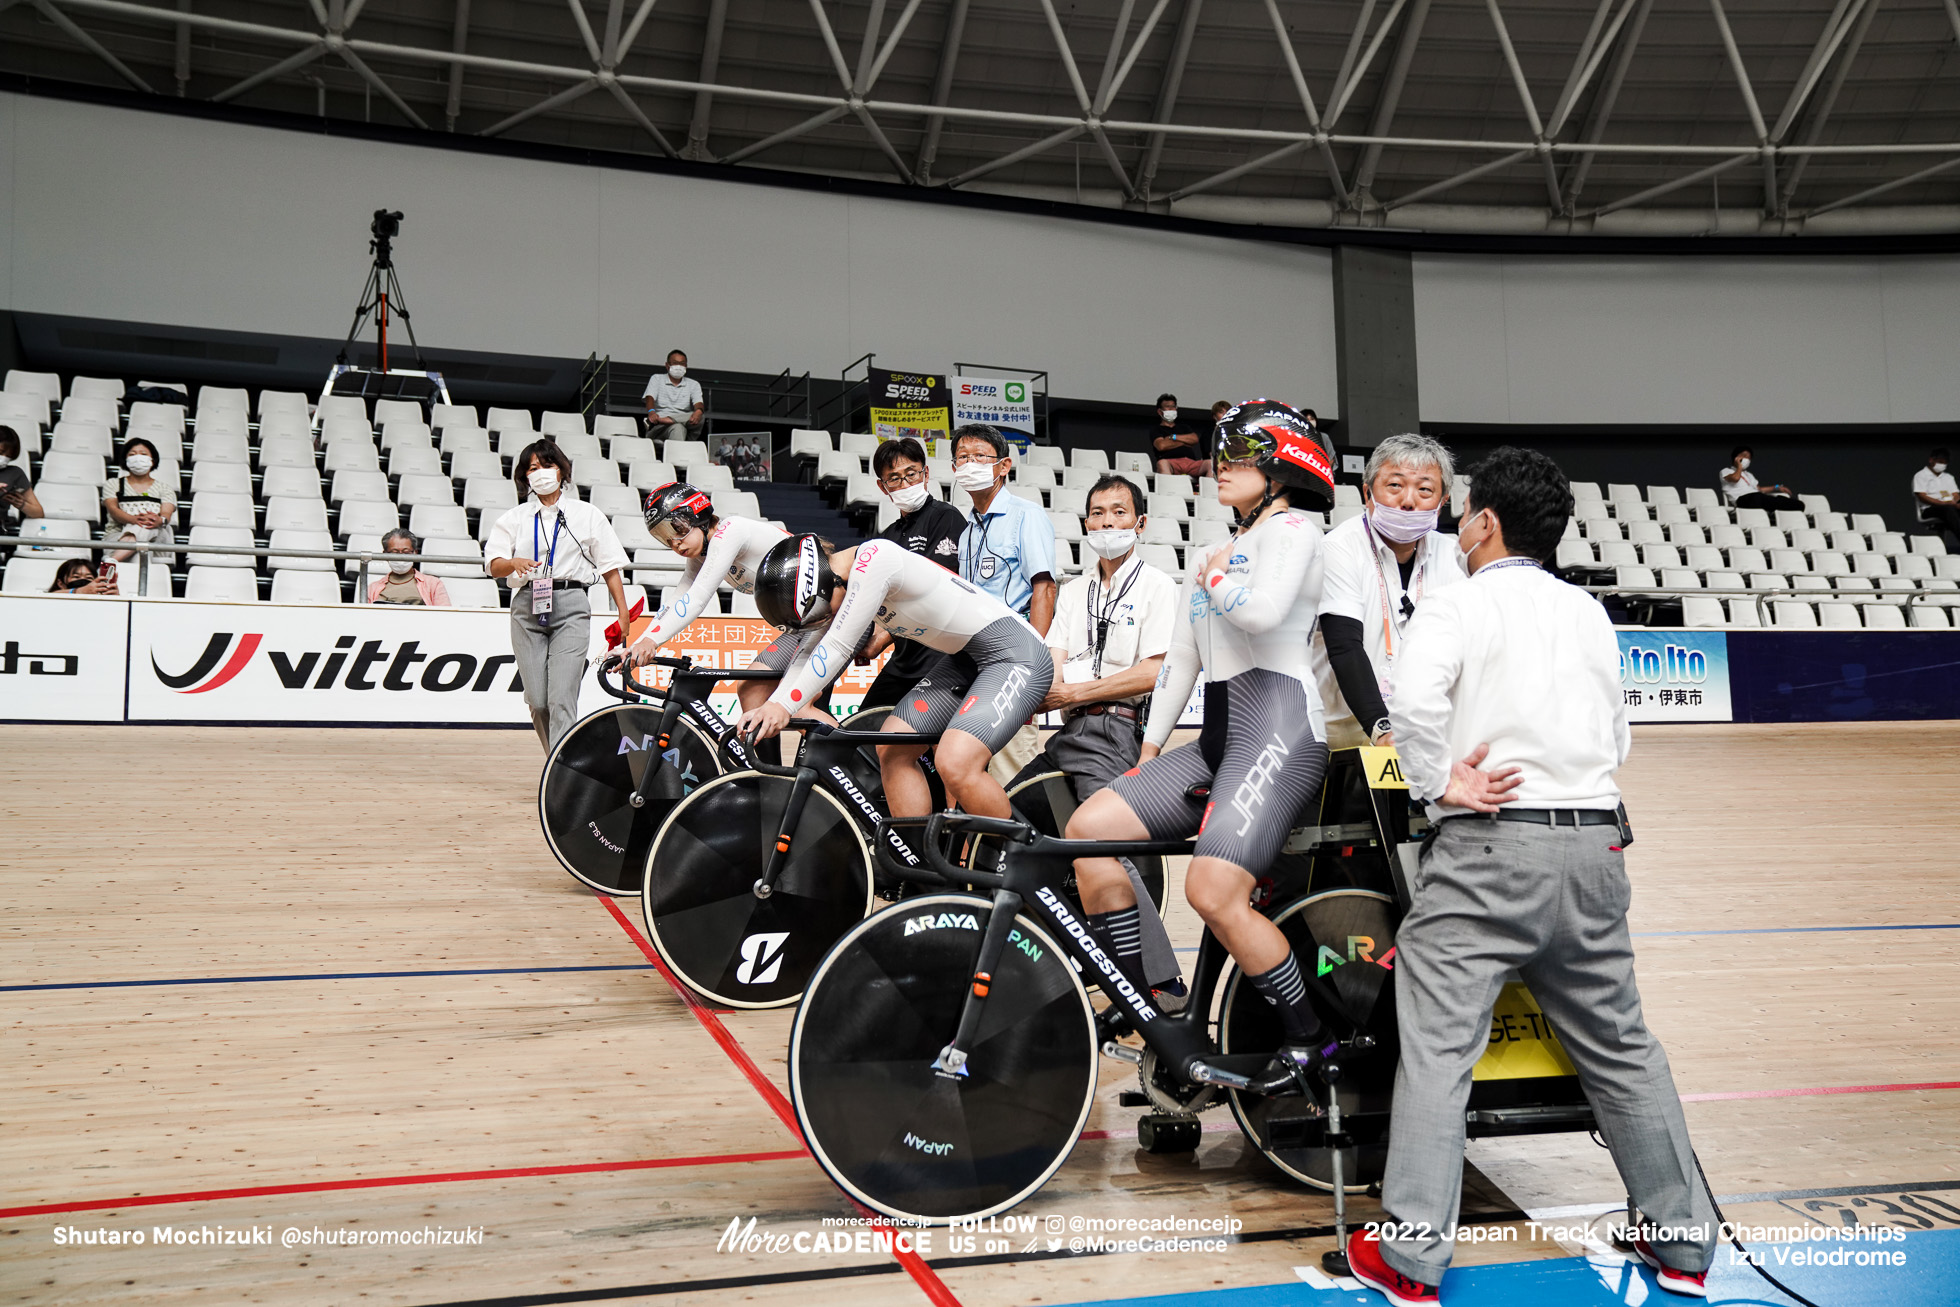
(42,544)
(783,398)
(1896,598)
(848,391)
(594,386)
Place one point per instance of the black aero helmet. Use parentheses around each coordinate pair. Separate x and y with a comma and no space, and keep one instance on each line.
(794,581)
(673,509)
(1283,445)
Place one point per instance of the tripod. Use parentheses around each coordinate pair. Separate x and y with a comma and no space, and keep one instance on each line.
(383,290)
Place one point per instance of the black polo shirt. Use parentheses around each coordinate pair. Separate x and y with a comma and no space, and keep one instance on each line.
(1181,427)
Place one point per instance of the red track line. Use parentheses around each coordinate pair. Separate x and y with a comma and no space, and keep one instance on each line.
(389,1181)
(914,1265)
(1825,1089)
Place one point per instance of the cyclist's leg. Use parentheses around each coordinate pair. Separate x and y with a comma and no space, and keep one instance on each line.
(1149,802)
(927,708)
(1272,767)
(1013,670)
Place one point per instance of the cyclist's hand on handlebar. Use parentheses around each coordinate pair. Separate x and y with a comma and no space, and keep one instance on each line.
(764,722)
(640,653)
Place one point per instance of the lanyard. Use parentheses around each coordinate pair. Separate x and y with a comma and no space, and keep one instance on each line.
(1389,626)
(1099,621)
(1510,562)
(552,552)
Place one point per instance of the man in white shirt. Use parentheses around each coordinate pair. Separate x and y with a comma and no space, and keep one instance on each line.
(674,403)
(1509,720)
(1377,568)
(1938,496)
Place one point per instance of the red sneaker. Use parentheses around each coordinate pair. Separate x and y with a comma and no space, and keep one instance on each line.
(1365,1263)
(1691,1284)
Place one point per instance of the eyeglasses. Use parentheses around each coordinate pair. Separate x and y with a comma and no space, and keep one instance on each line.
(900,480)
(968,460)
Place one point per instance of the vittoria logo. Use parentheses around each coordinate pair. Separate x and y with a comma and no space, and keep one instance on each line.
(223,658)
(343,667)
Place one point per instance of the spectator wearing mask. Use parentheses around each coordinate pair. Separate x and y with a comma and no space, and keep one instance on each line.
(674,402)
(1938,496)
(549,549)
(1008,551)
(139,505)
(405,583)
(77,576)
(1176,445)
(1742,490)
(17,501)
(1379,566)
(926,525)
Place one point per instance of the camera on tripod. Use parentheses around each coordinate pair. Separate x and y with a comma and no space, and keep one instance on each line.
(385,227)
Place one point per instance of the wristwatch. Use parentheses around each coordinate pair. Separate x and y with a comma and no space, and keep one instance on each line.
(1380,728)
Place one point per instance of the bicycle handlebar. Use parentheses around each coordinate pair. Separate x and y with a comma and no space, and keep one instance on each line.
(628,688)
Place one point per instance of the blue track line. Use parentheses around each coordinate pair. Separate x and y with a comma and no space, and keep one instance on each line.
(328,975)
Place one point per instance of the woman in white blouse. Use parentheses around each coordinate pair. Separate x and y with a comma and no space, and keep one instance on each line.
(550,548)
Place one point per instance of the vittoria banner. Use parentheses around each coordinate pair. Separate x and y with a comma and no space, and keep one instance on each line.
(62,658)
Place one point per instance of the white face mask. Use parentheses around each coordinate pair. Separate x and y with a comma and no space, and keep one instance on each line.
(1168,414)
(544,480)
(909,498)
(1742,463)
(139,464)
(1938,468)
(1463,555)
(6,461)
(1111,541)
(400,566)
(975,477)
(677,371)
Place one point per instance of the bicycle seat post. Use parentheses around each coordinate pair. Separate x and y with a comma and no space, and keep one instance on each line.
(952,1058)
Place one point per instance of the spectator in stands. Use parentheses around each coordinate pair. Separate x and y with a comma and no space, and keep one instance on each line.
(139,505)
(15,493)
(77,576)
(405,583)
(1008,551)
(674,402)
(551,548)
(1176,444)
(1313,418)
(1938,495)
(1742,490)
(926,525)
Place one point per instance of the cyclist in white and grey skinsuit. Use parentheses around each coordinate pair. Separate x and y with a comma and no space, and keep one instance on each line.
(992,673)
(1249,616)
(717,549)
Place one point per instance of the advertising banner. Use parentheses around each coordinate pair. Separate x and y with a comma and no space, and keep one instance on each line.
(1000,402)
(62,658)
(914,404)
(278,663)
(1675,676)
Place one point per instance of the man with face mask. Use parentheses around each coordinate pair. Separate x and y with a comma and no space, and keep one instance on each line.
(1008,551)
(1176,444)
(926,525)
(1379,566)
(674,402)
(1937,495)
(1113,625)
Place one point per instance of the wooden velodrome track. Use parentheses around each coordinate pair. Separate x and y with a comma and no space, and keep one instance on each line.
(331,979)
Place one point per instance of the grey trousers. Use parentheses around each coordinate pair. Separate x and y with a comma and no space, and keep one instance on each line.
(551,659)
(1550,902)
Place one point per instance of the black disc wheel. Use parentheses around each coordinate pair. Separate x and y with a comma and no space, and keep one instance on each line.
(904,1139)
(698,889)
(585,797)
(1047,801)
(1343,940)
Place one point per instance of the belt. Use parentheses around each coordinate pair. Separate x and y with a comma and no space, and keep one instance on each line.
(1545,816)
(567,585)
(1123,710)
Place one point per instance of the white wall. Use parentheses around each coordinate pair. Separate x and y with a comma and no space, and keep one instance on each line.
(1688,340)
(151,218)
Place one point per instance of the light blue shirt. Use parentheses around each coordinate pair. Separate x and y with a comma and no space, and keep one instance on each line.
(1006,548)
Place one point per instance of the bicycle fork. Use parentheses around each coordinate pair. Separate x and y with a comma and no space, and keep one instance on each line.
(951,1062)
(799,795)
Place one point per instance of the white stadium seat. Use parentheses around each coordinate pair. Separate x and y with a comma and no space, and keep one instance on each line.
(396,410)
(364,517)
(438,520)
(422,488)
(294,587)
(614,425)
(294,512)
(293,538)
(227,537)
(472,591)
(454,547)
(424,459)
(491,494)
(47,385)
(29,575)
(356,485)
(221,585)
(52,529)
(443,415)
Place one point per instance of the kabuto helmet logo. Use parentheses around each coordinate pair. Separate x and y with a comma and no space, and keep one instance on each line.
(223,658)
(808,565)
